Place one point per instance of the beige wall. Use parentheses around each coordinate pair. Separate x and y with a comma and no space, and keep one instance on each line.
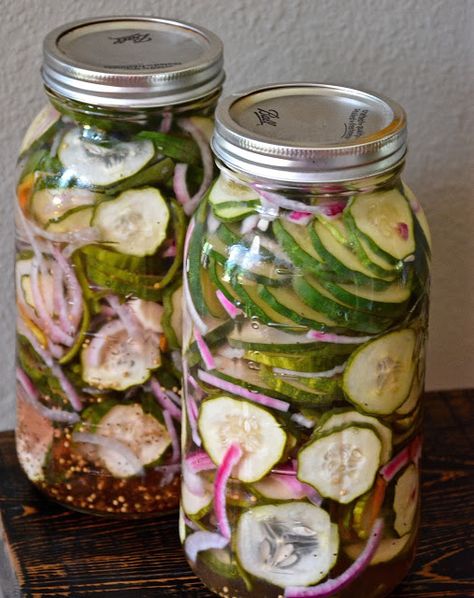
(419,52)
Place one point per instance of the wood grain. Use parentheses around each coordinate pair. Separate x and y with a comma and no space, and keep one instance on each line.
(55,552)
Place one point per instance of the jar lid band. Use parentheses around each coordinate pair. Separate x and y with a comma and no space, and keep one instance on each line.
(309,133)
(132,62)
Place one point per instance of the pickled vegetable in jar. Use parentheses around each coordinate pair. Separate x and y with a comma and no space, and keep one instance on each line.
(306,305)
(109,173)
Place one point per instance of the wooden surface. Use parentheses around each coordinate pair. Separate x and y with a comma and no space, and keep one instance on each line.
(53,552)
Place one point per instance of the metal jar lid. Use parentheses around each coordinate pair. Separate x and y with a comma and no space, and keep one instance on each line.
(132,62)
(309,133)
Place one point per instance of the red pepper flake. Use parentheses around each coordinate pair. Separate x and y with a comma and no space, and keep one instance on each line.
(402,228)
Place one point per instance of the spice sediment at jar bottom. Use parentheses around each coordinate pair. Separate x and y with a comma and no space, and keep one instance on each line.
(304,334)
(106,186)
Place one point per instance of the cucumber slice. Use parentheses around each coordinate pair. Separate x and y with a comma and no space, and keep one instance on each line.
(204,124)
(71,221)
(255,337)
(241,373)
(386,221)
(315,361)
(350,416)
(226,190)
(323,392)
(172,321)
(342,260)
(135,222)
(405,502)
(100,165)
(388,302)
(178,147)
(195,505)
(341,464)
(419,215)
(296,241)
(142,433)
(224,420)
(379,374)
(49,205)
(221,562)
(388,550)
(148,313)
(285,302)
(114,360)
(45,283)
(317,297)
(233,211)
(291,544)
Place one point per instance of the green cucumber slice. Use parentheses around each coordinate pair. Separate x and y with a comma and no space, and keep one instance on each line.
(113,360)
(342,259)
(172,321)
(225,190)
(296,241)
(379,374)
(285,302)
(252,336)
(291,544)
(101,165)
(405,502)
(420,215)
(388,302)
(386,220)
(233,211)
(240,372)
(317,297)
(224,420)
(108,258)
(72,220)
(45,282)
(322,393)
(135,222)
(50,205)
(341,464)
(349,416)
(195,505)
(141,432)
(152,175)
(178,147)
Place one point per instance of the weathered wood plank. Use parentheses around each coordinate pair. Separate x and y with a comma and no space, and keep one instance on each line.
(60,553)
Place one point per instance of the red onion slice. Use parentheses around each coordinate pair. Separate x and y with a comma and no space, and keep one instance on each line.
(230,460)
(338,369)
(230,308)
(243,392)
(113,445)
(32,397)
(327,337)
(73,286)
(333,586)
(180,186)
(205,352)
(164,400)
(411,452)
(175,456)
(200,461)
(206,159)
(203,540)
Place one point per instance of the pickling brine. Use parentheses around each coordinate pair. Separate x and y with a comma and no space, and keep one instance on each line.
(106,187)
(304,338)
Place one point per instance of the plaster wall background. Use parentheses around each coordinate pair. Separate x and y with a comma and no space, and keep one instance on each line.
(420,52)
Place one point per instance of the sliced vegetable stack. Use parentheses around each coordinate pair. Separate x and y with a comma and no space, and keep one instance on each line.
(303,370)
(102,211)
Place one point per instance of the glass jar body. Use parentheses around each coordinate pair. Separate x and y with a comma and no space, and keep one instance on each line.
(103,200)
(305,327)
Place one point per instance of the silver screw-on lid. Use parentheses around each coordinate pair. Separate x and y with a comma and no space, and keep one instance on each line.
(309,133)
(128,62)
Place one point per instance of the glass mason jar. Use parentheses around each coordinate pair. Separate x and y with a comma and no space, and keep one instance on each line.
(109,173)
(306,305)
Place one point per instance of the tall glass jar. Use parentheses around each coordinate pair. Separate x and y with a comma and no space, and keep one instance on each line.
(306,305)
(109,173)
